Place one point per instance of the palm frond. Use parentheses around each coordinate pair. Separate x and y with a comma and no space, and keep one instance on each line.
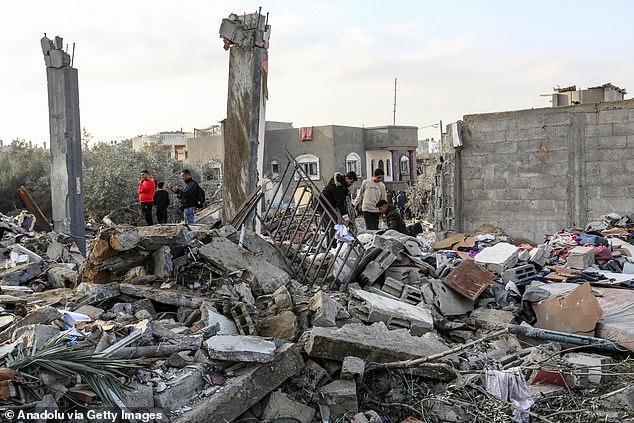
(102,374)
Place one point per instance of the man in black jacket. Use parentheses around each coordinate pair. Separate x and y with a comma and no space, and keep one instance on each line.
(161,202)
(336,192)
(187,196)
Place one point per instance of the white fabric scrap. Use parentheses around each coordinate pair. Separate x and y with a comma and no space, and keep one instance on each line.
(510,385)
(343,234)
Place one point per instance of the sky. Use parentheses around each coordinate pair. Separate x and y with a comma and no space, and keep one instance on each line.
(150,66)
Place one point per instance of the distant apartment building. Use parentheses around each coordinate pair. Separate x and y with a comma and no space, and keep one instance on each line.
(324,150)
(175,142)
(569,96)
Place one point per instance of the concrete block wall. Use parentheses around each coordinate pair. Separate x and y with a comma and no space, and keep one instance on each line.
(534,172)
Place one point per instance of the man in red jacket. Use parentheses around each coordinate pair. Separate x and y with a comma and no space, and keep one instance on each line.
(146,195)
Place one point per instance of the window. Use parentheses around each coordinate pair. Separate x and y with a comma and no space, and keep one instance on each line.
(372,165)
(275,167)
(310,165)
(404,165)
(388,168)
(353,164)
(380,166)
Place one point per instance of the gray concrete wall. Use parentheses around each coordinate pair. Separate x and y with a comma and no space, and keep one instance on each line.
(534,172)
(205,148)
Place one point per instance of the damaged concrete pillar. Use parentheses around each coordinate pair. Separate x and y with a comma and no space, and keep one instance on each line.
(246,37)
(66,167)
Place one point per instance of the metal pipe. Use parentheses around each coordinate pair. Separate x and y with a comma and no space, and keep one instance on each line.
(551,335)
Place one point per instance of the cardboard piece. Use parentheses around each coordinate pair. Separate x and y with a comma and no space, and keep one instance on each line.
(576,311)
(448,243)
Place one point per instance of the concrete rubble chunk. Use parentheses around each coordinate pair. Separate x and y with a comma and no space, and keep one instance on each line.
(211,317)
(154,237)
(492,315)
(182,388)
(20,274)
(340,396)
(91,293)
(60,276)
(498,258)
(540,254)
(252,349)
(377,267)
(325,309)
(596,366)
(163,262)
(124,238)
(247,387)
(352,368)
(259,247)
(229,257)
(371,343)
(36,334)
(519,274)
(406,274)
(448,301)
(94,313)
(139,396)
(174,296)
(581,257)
(395,314)
(280,405)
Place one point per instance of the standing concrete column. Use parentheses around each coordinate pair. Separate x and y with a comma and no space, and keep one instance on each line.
(66,168)
(246,37)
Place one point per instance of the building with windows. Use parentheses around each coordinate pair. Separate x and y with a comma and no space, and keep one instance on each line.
(324,150)
(173,141)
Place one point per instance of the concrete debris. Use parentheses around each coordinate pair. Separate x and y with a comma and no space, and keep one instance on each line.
(210,317)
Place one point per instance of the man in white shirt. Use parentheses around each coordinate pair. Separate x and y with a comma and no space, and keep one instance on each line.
(371,192)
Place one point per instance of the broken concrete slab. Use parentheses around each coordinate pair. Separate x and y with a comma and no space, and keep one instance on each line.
(340,396)
(371,343)
(94,313)
(21,274)
(493,315)
(43,315)
(498,258)
(227,256)
(252,349)
(405,274)
(448,301)
(280,405)
(211,317)
(174,296)
(395,314)
(139,396)
(283,325)
(247,387)
(163,262)
(469,280)
(259,247)
(175,237)
(324,308)
(182,388)
(91,293)
(37,334)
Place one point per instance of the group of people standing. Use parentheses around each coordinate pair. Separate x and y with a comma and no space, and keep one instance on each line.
(153,194)
(373,198)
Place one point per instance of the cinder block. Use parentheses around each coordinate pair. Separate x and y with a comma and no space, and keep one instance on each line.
(581,257)
(596,367)
(376,268)
(519,274)
(498,258)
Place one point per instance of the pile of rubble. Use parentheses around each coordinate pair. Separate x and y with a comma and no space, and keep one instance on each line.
(201,323)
